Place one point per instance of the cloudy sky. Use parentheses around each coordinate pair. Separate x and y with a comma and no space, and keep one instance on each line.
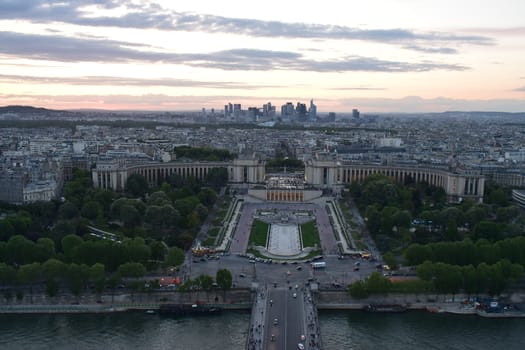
(375,55)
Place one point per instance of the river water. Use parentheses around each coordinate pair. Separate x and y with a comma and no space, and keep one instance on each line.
(339,329)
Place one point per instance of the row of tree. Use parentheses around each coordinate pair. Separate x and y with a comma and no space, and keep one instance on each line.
(382,191)
(223,280)
(483,278)
(467,252)
(55,273)
(203,153)
(446,279)
(18,251)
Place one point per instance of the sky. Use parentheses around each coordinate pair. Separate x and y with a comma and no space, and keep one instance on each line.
(379,56)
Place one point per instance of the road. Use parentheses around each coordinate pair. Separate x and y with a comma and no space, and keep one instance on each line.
(289,313)
(337,271)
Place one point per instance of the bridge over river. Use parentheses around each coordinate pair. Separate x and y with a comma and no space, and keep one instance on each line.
(284,318)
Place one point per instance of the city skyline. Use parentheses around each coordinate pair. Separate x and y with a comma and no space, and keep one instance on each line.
(379,56)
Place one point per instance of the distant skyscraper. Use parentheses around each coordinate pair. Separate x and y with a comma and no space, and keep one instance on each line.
(287,110)
(355,113)
(237,109)
(312,112)
(300,110)
(268,110)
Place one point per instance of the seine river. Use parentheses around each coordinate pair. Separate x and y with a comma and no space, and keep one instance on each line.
(340,330)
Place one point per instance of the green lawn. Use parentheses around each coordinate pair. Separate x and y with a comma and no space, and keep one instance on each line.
(310,235)
(213,232)
(209,242)
(259,233)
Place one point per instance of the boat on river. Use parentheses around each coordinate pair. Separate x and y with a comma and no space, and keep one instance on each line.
(385,308)
(188,309)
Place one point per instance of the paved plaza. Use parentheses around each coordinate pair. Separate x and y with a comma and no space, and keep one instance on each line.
(241,234)
(284,240)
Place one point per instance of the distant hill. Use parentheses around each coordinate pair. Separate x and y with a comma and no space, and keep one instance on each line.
(25,109)
(31,112)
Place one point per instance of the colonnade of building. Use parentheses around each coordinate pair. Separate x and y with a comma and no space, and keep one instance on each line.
(329,173)
(276,195)
(113,175)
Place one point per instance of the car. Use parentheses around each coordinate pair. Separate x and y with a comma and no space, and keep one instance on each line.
(298,268)
(356,268)
(242,275)
(300,346)
(275,322)
(294,295)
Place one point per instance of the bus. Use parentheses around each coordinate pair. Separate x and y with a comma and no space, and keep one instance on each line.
(318,265)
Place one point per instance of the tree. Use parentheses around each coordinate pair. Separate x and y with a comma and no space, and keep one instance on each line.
(21,222)
(77,276)
(217,178)
(175,257)
(20,250)
(416,254)
(451,213)
(224,279)
(63,228)
(488,230)
(137,250)
(97,274)
(471,280)
(6,230)
(448,278)
(507,214)
(476,214)
(67,211)
(204,282)
(91,209)
(186,205)
(402,218)
(193,220)
(30,274)
(69,243)
(132,270)
(426,271)
(452,233)
(202,212)
(207,196)
(376,283)
(153,216)
(116,206)
(158,198)
(53,269)
(105,198)
(45,249)
(373,219)
(498,197)
(158,250)
(129,216)
(390,260)
(358,290)
(137,185)
(7,274)
(379,189)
